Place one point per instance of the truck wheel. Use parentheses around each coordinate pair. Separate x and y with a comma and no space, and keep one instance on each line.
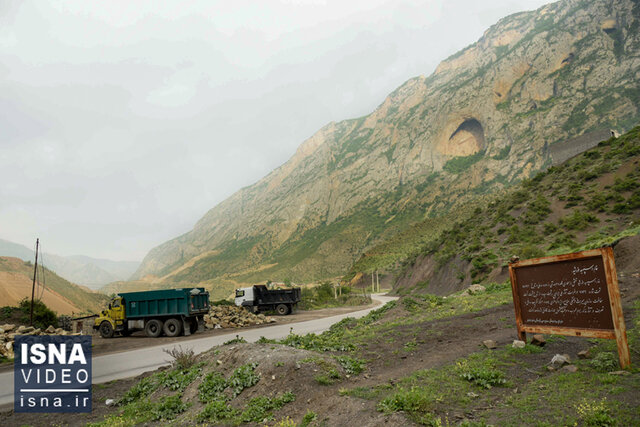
(106,330)
(282,309)
(153,328)
(193,326)
(172,327)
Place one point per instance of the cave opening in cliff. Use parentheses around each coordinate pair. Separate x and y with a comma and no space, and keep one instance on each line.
(468,138)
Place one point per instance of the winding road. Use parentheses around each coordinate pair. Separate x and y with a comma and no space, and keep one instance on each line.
(130,363)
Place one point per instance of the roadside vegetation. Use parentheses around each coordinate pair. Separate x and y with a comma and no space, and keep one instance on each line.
(327,295)
(43,316)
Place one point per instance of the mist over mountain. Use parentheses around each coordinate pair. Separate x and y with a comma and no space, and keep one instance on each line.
(80,269)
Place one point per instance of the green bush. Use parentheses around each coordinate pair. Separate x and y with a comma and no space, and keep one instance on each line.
(462,163)
(579,220)
(169,407)
(351,365)
(480,375)
(605,362)
(212,387)
(43,316)
(261,408)
(143,388)
(243,377)
(413,400)
(178,379)
(216,411)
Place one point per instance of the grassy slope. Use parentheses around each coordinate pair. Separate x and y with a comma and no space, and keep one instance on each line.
(479,387)
(582,204)
(85,300)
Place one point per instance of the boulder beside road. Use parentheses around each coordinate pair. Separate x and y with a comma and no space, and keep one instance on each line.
(231,316)
(7,337)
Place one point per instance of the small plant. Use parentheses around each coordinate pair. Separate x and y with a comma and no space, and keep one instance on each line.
(243,377)
(410,345)
(604,362)
(328,378)
(595,413)
(216,411)
(182,359)
(169,407)
(308,418)
(178,379)
(286,422)
(260,409)
(480,375)
(237,340)
(144,388)
(211,387)
(412,400)
(351,365)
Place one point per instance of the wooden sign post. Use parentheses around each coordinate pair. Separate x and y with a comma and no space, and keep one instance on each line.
(573,294)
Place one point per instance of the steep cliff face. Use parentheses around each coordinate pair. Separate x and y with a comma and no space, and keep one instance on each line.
(484,118)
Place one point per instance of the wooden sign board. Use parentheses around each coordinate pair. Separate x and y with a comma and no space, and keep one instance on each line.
(573,294)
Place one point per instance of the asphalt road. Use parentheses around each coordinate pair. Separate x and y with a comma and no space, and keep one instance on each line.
(134,362)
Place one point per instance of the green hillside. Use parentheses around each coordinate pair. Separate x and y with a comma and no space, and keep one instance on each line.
(590,201)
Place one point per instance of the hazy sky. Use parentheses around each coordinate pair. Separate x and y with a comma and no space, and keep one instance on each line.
(122,123)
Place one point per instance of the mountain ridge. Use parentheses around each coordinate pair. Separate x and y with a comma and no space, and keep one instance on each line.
(483,120)
(81,269)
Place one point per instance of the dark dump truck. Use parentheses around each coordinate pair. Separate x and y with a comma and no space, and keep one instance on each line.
(259,298)
(172,311)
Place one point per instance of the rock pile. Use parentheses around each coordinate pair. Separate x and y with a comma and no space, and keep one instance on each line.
(231,316)
(8,333)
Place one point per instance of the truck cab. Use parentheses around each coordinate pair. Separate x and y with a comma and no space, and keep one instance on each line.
(114,317)
(244,297)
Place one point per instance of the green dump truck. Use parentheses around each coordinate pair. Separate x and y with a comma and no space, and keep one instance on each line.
(172,311)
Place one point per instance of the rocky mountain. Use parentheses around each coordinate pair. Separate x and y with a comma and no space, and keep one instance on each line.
(91,272)
(486,118)
(63,297)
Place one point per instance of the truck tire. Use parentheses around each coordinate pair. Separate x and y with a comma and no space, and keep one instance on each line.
(106,330)
(282,309)
(172,327)
(153,328)
(193,327)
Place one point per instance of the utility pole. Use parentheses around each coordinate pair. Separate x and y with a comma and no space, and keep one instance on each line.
(377,282)
(33,288)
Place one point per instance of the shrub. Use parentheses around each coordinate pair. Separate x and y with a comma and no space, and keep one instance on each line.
(604,362)
(216,411)
(579,220)
(169,407)
(482,376)
(143,388)
(530,251)
(178,379)
(412,400)
(237,340)
(182,359)
(261,408)
(351,365)
(308,418)
(211,387)
(243,377)
(595,414)
(42,315)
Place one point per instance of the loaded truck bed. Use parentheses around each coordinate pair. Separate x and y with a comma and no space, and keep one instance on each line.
(259,298)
